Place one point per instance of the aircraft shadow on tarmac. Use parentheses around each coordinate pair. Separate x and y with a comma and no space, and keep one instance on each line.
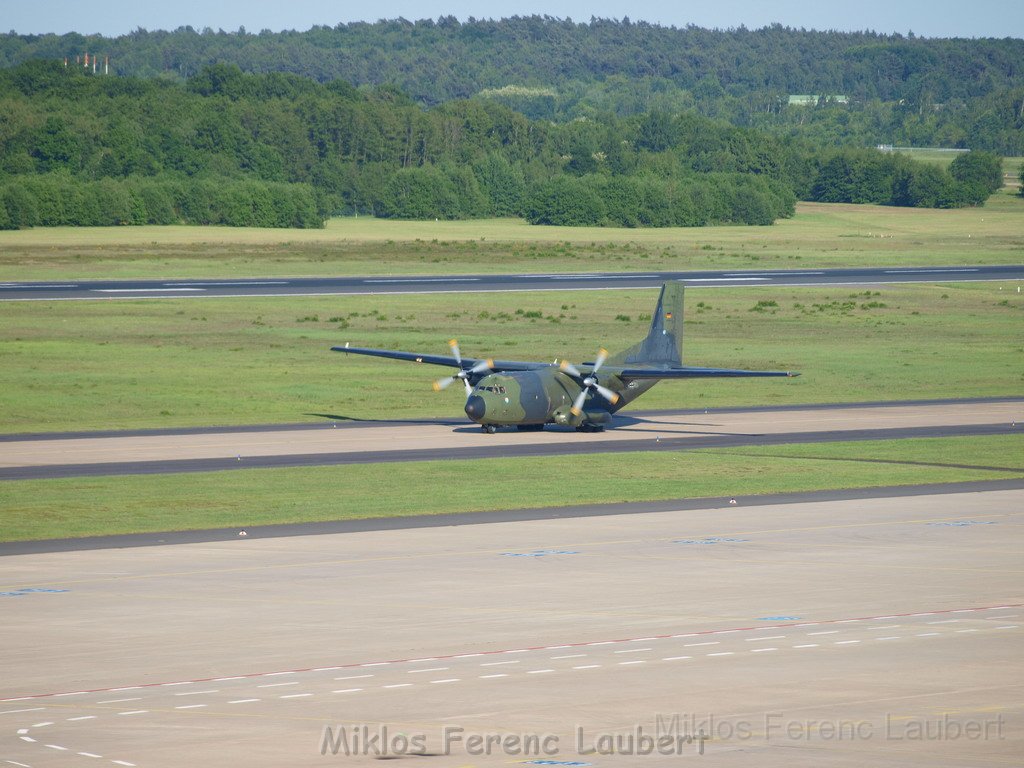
(630,424)
(620,424)
(396,422)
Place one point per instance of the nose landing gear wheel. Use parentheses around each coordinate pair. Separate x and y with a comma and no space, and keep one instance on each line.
(490,429)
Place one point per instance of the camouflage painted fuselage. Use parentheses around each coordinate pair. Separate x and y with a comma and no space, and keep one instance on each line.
(545,396)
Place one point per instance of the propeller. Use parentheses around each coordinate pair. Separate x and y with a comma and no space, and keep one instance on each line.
(464,374)
(588,382)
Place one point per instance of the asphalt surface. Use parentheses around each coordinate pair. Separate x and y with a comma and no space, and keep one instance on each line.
(332,286)
(880,631)
(202,451)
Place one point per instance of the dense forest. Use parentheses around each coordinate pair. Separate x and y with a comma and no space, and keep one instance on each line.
(227,147)
(607,123)
(897,89)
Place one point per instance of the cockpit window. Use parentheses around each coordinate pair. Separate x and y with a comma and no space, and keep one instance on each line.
(495,389)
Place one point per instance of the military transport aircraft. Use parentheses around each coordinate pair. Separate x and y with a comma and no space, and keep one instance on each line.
(529,395)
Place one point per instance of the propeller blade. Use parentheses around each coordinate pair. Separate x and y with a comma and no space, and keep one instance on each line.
(483,365)
(454,344)
(607,394)
(602,355)
(566,367)
(444,383)
(577,405)
(469,389)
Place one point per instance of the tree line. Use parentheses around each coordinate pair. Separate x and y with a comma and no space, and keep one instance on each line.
(227,147)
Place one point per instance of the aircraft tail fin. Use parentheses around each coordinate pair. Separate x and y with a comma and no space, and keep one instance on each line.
(664,342)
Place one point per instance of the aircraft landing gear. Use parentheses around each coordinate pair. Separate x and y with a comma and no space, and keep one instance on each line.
(489,429)
(590,428)
(530,427)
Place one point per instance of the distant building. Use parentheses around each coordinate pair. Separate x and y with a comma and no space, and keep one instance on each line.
(811,100)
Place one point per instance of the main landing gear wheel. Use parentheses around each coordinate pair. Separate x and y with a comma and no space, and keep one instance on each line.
(530,427)
(490,429)
(590,428)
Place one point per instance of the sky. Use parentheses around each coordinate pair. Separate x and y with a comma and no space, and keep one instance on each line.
(925,18)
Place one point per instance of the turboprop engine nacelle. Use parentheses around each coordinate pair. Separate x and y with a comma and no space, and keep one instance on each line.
(566,418)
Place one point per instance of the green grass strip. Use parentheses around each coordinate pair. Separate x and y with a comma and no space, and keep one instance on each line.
(41,509)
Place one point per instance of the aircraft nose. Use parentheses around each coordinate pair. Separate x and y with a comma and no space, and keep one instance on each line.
(475,407)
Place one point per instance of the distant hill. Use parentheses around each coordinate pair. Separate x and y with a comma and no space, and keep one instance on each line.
(895,89)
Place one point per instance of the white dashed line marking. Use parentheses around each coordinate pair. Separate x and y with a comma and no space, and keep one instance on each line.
(692,645)
(242,701)
(399,685)
(634,650)
(847,642)
(118,701)
(1010,626)
(587,666)
(315,669)
(762,650)
(195,693)
(829,632)
(43,725)
(888,626)
(570,656)
(75,693)
(239,677)
(498,663)
(20,765)
(57,747)
(538,671)
(416,671)
(890,637)
(676,658)
(278,674)
(83,717)
(606,642)
(27,738)
(89,754)
(966,630)
(928,634)
(759,639)
(16,711)
(721,653)
(22,730)
(944,621)
(467,655)
(625,663)
(122,762)
(134,712)
(190,706)
(488,677)
(183,682)
(276,685)
(807,645)
(643,639)
(129,688)
(446,680)
(348,690)
(359,677)
(295,696)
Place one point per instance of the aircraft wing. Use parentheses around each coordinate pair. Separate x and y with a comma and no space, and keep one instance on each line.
(690,372)
(448,360)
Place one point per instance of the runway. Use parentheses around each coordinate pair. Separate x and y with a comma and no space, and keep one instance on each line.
(355,443)
(336,286)
(842,633)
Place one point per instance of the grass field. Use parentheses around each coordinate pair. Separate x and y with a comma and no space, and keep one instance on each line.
(820,235)
(97,506)
(129,364)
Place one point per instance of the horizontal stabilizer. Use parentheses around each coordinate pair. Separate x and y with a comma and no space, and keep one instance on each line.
(689,372)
